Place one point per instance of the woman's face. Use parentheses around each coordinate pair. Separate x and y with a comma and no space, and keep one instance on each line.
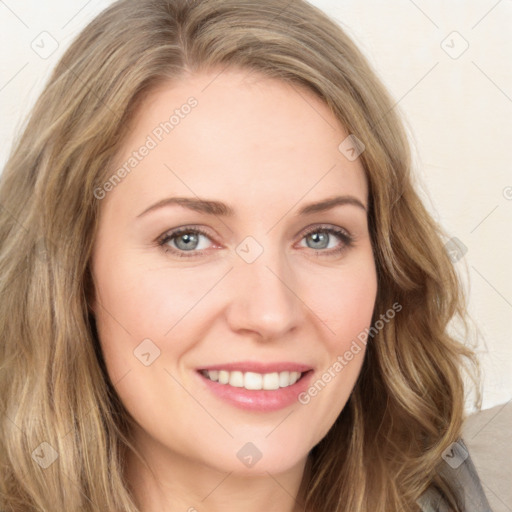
(266,279)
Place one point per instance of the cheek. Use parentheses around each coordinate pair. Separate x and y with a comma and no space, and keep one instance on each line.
(345,305)
(145,301)
(137,301)
(345,302)
(137,306)
(356,304)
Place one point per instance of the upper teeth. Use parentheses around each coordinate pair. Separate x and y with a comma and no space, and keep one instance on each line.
(253,381)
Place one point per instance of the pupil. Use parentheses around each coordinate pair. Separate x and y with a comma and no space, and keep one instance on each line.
(188,240)
(318,237)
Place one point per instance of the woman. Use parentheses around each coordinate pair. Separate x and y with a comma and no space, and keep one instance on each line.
(221,290)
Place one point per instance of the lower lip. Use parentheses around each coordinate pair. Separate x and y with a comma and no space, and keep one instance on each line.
(259,400)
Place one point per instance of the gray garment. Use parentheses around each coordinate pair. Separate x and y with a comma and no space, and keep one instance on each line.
(459,470)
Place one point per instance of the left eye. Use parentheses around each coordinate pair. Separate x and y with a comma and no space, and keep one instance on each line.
(321,237)
(188,240)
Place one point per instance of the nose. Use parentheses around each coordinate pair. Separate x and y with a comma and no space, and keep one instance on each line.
(265,299)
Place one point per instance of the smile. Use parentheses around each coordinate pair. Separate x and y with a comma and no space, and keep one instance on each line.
(252,380)
(257,386)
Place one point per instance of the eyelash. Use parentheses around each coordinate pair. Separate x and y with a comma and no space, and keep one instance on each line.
(347,240)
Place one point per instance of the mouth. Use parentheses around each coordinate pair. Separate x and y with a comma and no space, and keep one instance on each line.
(254,381)
(259,387)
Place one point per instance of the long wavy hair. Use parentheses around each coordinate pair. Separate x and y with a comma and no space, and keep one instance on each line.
(385,449)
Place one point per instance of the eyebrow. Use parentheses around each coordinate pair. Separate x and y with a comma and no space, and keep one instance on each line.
(218,208)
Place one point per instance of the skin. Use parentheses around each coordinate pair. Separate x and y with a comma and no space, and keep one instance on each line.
(266,149)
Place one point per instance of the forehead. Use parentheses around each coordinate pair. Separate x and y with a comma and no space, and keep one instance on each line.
(237,136)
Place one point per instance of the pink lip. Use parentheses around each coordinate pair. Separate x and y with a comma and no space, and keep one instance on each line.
(259,400)
(257,367)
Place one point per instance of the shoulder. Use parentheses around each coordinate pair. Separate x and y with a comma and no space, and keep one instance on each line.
(459,471)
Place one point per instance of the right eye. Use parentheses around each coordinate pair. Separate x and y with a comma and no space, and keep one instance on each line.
(184,240)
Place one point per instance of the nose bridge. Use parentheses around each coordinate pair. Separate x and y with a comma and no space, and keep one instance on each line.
(264,300)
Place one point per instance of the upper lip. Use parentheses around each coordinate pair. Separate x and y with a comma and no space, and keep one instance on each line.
(259,367)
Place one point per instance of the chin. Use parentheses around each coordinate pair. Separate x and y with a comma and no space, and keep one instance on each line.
(253,459)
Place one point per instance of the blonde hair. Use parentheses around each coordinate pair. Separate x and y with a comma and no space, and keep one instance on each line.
(407,406)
